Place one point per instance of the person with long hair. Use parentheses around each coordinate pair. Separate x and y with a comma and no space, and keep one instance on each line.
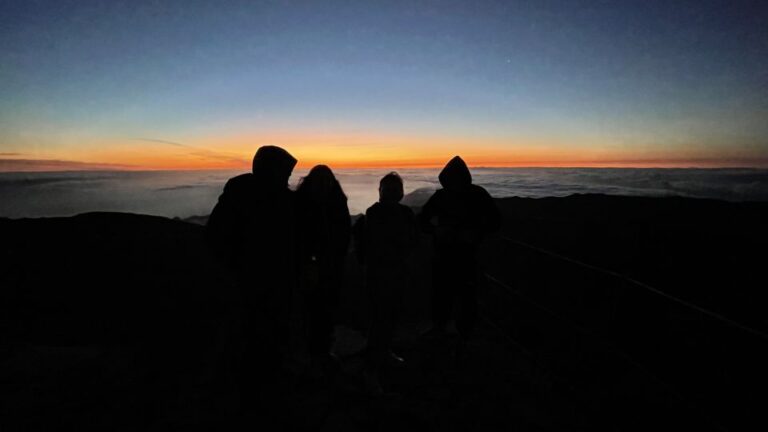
(324,227)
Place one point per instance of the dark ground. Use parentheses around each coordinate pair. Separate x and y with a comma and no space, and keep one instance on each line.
(121,322)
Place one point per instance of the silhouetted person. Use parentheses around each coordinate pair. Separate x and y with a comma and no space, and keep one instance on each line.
(459,216)
(324,228)
(252,230)
(384,238)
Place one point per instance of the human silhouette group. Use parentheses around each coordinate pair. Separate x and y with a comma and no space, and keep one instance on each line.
(274,242)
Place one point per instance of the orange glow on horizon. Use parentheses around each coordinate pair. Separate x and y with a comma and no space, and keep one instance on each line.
(170,165)
(306,163)
(345,150)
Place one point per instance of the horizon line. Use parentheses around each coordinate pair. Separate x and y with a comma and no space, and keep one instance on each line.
(393,168)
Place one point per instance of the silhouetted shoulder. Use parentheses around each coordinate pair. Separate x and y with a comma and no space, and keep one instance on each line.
(405,208)
(489,211)
(379,209)
(238,180)
(437,195)
(238,183)
(373,211)
(391,214)
(433,202)
(408,214)
(480,190)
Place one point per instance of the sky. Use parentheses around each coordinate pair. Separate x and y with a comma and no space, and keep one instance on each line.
(196,85)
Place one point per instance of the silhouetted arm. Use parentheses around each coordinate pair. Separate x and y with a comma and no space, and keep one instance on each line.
(219,226)
(491,213)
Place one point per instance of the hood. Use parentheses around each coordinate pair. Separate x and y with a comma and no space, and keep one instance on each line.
(455,174)
(273,164)
(274,159)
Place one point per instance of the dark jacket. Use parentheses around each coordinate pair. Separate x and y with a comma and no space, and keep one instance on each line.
(252,227)
(251,222)
(324,229)
(460,214)
(385,236)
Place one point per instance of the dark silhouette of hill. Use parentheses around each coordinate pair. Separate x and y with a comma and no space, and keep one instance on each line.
(104,277)
(122,321)
(107,315)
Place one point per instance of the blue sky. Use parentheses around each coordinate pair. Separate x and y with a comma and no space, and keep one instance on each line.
(545,81)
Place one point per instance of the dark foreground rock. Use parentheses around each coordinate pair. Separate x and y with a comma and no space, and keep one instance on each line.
(108,320)
(123,322)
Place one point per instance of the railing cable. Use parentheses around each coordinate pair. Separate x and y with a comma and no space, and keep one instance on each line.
(645,286)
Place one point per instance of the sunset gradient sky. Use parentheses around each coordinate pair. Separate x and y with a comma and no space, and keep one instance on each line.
(189,85)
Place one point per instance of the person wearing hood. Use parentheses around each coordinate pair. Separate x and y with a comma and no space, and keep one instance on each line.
(251,232)
(459,216)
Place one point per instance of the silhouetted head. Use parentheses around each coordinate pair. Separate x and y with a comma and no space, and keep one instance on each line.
(391,188)
(320,185)
(273,165)
(455,174)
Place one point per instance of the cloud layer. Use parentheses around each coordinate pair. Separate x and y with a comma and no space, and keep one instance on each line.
(24,165)
(183,194)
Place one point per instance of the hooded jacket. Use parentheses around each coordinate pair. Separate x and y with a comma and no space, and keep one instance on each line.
(461,213)
(455,174)
(273,166)
(252,225)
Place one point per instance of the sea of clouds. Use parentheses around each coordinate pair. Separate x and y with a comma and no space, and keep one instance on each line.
(188,193)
